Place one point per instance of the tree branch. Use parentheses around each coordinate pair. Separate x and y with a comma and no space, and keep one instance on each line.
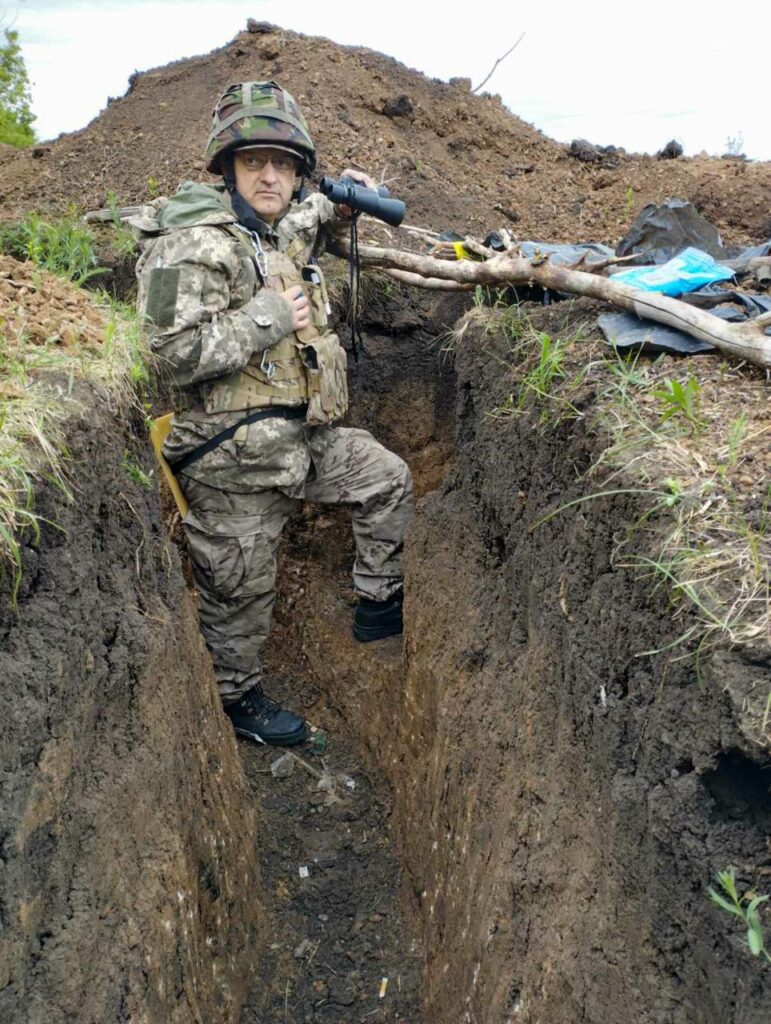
(498,62)
(433,283)
(743,340)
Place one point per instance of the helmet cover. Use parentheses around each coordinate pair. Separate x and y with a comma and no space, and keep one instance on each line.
(250,114)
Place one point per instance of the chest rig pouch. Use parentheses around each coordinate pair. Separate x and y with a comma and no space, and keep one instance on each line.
(307,366)
(322,355)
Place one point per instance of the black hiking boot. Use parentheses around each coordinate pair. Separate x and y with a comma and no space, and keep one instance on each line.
(375,620)
(263,720)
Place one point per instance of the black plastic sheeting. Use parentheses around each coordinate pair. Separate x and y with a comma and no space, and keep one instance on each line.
(740,264)
(567,255)
(755,250)
(713,295)
(661,232)
(626,332)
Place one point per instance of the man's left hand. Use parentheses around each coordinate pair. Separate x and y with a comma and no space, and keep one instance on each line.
(361,178)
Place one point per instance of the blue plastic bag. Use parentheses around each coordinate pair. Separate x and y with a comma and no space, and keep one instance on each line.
(689,270)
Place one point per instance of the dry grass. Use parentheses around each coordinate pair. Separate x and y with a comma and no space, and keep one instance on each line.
(32,449)
(33,413)
(694,436)
(710,533)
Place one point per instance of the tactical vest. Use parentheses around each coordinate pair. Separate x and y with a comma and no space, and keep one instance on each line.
(306,366)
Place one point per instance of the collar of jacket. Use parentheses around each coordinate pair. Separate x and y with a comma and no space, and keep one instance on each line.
(198,204)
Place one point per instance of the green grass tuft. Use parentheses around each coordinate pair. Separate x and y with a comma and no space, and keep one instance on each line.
(64,246)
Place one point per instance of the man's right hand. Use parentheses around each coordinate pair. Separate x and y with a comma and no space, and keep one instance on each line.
(301,309)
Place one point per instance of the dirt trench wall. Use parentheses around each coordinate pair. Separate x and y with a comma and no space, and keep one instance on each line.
(127,870)
(561,803)
(576,798)
(580,797)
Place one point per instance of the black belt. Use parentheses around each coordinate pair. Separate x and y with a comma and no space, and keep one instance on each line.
(287,412)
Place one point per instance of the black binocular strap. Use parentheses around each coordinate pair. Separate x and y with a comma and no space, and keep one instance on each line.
(354,289)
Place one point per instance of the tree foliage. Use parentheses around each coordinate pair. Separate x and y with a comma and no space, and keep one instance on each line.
(16,116)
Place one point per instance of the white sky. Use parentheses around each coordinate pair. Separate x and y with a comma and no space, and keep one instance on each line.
(631,74)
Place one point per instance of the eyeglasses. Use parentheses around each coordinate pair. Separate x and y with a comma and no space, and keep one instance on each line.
(256,159)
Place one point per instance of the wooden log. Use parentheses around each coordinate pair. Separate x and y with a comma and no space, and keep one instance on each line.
(742,340)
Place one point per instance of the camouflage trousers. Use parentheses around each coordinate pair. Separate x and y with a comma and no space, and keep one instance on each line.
(233,540)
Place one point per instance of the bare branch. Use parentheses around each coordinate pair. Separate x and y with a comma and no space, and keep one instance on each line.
(432,283)
(472,245)
(412,229)
(498,62)
(598,266)
(744,340)
(508,239)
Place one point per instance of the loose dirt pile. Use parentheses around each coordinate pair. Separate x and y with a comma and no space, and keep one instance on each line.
(460,160)
(37,307)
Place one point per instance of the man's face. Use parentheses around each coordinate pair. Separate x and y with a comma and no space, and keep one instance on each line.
(265,177)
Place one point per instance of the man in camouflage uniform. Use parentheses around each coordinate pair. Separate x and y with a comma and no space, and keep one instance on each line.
(238,318)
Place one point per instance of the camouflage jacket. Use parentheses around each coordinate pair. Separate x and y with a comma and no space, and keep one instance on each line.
(207,313)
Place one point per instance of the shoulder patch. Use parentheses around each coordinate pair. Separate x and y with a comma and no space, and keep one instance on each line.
(162,295)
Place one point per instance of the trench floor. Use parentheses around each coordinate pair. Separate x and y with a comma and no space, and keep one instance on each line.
(339,950)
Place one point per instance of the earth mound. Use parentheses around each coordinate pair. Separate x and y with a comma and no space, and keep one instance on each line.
(458,159)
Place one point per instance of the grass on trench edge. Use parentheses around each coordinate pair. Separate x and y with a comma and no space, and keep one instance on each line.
(32,417)
(65,245)
(709,539)
(708,544)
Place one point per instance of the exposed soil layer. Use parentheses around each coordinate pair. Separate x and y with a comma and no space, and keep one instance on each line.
(574,827)
(461,161)
(575,798)
(126,843)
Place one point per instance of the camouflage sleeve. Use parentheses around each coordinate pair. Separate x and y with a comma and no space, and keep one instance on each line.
(304,220)
(187,285)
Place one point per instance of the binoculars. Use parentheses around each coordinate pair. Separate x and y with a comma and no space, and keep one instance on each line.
(347,192)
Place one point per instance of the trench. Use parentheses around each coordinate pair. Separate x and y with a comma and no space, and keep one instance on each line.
(343,945)
(558,803)
(535,811)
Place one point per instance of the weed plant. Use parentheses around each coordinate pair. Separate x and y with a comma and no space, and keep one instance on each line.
(537,361)
(134,471)
(745,907)
(681,399)
(64,246)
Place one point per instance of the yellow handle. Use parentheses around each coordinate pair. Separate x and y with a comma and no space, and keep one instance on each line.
(158,431)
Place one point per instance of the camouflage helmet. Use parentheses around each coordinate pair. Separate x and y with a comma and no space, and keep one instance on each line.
(250,113)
